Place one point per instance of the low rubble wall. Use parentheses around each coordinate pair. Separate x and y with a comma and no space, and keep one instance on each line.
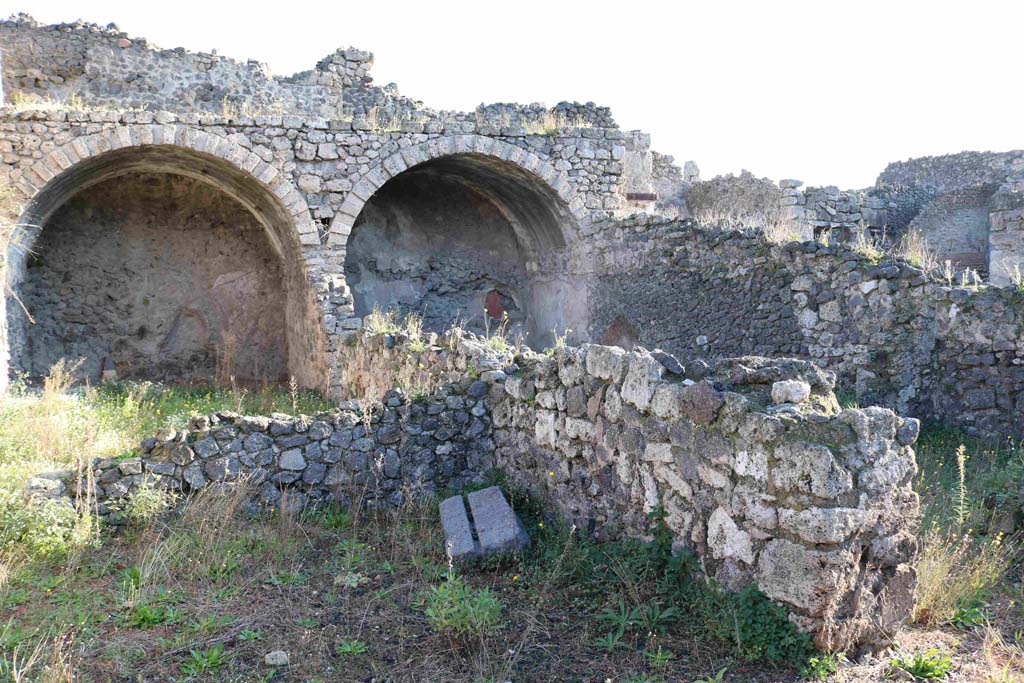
(756,468)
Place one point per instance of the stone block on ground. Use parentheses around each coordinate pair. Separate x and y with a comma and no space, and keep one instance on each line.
(498,528)
(489,527)
(459,541)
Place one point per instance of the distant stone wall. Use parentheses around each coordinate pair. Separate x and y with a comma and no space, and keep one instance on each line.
(740,201)
(104,66)
(953,171)
(893,334)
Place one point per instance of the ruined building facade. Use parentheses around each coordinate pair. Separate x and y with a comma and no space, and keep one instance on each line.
(188,216)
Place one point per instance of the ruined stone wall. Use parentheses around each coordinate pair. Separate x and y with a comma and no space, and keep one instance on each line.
(1006,236)
(806,505)
(563,114)
(945,198)
(894,335)
(324,172)
(758,471)
(743,200)
(105,66)
(380,458)
(714,295)
(953,171)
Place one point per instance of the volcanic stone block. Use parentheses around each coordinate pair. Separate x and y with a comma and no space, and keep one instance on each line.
(497,525)
(458,532)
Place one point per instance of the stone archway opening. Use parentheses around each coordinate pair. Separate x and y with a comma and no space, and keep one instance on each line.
(459,239)
(161,263)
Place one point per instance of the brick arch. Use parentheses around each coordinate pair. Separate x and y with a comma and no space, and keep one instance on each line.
(555,181)
(260,187)
(35,179)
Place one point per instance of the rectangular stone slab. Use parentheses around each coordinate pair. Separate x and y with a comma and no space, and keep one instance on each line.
(497,525)
(458,534)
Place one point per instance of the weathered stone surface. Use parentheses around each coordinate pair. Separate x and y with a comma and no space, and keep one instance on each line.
(292,460)
(822,525)
(700,402)
(460,543)
(811,580)
(219,469)
(276,658)
(497,526)
(810,468)
(641,377)
(790,391)
(726,540)
(604,362)
(206,448)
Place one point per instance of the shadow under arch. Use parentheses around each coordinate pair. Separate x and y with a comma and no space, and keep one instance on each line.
(304,337)
(467,236)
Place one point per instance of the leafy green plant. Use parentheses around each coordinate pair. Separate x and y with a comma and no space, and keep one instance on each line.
(351,579)
(203,661)
(968,617)
(145,504)
(659,657)
(717,678)
(458,610)
(928,664)
(820,667)
(229,565)
(655,619)
(147,616)
(131,581)
(759,628)
(610,642)
(620,617)
(335,518)
(351,647)
(287,579)
(248,635)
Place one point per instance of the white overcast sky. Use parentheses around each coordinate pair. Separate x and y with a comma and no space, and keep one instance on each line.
(827,92)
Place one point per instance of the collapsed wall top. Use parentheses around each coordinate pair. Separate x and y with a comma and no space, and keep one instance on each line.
(104,66)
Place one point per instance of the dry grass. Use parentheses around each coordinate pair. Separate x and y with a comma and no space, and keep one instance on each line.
(956,572)
(22,101)
(914,249)
(549,123)
(866,246)
(770,225)
(47,661)
(230,109)
(381,122)
(382,321)
(1014,273)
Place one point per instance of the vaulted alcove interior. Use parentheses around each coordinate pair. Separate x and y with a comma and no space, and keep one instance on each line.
(458,239)
(158,264)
